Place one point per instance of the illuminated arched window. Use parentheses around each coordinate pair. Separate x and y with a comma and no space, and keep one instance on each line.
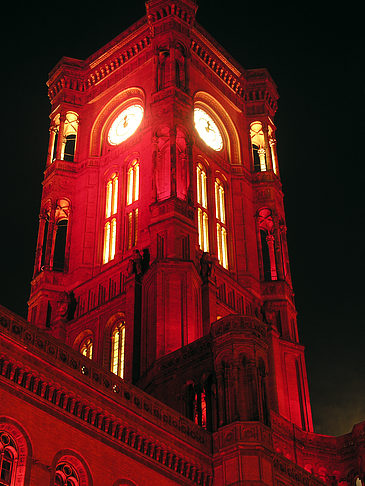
(220,214)
(133,183)
(8,454)
(118,350)
(358,482)
(202,203)
(132,199)
(86,348)
(110,221)
(258,147)
(69,136)
(66,475)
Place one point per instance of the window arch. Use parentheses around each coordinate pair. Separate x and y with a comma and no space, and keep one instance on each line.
(15,453)
(221,224)
(107,115)
(132,198)
(117,355)
(86,347)
(225,124)
(110,218)
(66,475)
(202,203)
(8,459)
(70,469)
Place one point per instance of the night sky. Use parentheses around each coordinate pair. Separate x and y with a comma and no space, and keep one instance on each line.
(316,58)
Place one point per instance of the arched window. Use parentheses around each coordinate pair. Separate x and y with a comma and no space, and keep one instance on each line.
(110,221)
(220,214)
(358,482)
(66,475)
(86,347)
(131,200)
(133,183)
(8,453)
(117,355)
(258,147)
(61,220)
(202,203)
(69,136)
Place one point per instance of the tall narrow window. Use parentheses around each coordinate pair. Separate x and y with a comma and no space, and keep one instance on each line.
(133,183)
(86,348)
(202,202)
(132,210)
(258,147)
(267,244)
(69,136)
(198,405)
(110,224)
(118,350)
(61,219)
(220,214)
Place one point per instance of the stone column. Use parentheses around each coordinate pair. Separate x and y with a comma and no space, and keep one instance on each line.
(262,156)
(274,158)
(271,244)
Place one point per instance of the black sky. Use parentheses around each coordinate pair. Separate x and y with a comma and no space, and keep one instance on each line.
(316,57)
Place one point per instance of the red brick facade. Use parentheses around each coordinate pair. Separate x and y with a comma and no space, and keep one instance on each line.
(161,345)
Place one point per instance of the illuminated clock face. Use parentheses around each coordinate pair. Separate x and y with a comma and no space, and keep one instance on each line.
(207,129)
(125,124)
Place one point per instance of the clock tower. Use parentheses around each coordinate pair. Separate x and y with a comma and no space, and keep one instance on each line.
(162,222)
